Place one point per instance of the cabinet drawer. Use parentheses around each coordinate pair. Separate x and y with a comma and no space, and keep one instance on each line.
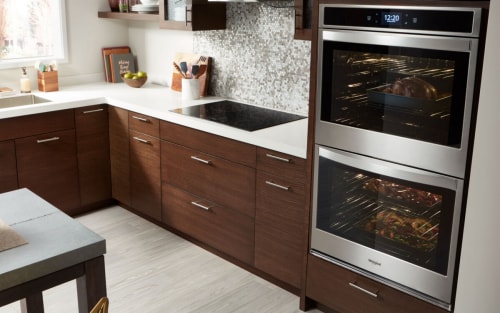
(332,286)
(30,125)
(222,228)
(144,124)
(281,164)
(226,183)
(211,144)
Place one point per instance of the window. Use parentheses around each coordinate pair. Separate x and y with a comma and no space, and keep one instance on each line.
(31,30)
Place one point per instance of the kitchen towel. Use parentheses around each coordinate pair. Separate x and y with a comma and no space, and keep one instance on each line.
(9,238)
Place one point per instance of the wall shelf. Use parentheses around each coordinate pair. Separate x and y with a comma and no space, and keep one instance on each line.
(129,16)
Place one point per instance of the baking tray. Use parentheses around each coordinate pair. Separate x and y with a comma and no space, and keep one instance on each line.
(376,95)
(431,202)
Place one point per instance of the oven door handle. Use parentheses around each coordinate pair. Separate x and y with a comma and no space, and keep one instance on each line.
(385,168)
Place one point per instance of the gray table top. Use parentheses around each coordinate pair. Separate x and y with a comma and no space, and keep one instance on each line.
(55,240)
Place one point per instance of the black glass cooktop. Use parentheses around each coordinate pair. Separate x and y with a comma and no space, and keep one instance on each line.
(239,115)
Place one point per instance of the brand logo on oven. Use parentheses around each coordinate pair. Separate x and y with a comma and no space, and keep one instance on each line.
(374,262)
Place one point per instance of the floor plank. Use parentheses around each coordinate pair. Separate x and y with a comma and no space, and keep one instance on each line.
(149,269)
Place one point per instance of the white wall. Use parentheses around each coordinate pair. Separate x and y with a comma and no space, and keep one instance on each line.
(479,274)
(87,34)
(155,49)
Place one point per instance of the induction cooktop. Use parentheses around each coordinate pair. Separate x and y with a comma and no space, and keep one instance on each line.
(239,115)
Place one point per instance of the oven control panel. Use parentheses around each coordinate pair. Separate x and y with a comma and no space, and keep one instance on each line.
(401,18)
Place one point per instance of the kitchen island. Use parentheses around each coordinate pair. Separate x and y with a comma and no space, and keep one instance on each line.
(57,249)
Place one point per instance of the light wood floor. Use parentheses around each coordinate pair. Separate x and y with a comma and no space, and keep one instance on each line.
(151,270)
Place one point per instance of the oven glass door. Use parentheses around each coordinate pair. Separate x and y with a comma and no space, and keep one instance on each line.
(408,214)
(405,85)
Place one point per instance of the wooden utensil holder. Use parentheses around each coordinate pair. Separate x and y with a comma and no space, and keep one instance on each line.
(48,81)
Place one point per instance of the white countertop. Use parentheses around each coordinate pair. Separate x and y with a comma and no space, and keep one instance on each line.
(156,101)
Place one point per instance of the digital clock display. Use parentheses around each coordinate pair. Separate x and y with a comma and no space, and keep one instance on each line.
(391,18)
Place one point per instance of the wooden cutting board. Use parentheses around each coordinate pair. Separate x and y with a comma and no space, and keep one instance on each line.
(191,58)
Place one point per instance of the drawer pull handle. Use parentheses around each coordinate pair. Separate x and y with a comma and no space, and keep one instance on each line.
(93,111)
(368,292)
(277,185)
(201,206)
(272,156)
(142,119)
(201,160)
(47,140)
(142,140)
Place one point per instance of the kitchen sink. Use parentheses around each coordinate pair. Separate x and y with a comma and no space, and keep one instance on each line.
(20,100)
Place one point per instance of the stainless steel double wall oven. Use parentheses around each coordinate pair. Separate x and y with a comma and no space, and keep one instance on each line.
(395,103)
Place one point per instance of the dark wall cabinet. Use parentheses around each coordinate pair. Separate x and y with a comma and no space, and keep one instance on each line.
(303,19)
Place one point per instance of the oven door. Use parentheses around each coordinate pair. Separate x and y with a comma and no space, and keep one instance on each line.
(400,97)
(396,222)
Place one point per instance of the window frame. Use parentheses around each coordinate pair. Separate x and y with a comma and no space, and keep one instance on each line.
(61,55)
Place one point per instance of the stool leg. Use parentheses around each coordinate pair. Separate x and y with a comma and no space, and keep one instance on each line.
(33,303)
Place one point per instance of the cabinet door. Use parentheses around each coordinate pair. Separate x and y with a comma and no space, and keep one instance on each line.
(8,166)
(145,174)
(93,154)
(119,154)
(193,15)
(279,227)
(47,165)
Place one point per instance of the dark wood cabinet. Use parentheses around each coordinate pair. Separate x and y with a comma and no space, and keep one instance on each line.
(197,15)
(92,137)
(47,165)
(279,217)
(347,292)
(145,179)
(224,182)
(119,154)
(303,19)
(209,189)
(8,166)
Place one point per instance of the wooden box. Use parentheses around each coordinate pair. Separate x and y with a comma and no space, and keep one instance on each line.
(48,81)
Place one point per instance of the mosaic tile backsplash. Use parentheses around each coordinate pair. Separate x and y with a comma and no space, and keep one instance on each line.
(256,59)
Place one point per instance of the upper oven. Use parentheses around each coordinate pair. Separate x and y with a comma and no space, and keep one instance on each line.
(397,83)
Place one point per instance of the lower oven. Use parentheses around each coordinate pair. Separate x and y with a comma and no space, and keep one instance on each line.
(393,223)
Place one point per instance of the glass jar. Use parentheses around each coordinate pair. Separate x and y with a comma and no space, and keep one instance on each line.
(123,5)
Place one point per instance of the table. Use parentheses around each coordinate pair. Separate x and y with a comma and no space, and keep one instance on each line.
(59,249)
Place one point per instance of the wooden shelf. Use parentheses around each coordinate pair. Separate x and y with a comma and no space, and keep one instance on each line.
(129,16)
